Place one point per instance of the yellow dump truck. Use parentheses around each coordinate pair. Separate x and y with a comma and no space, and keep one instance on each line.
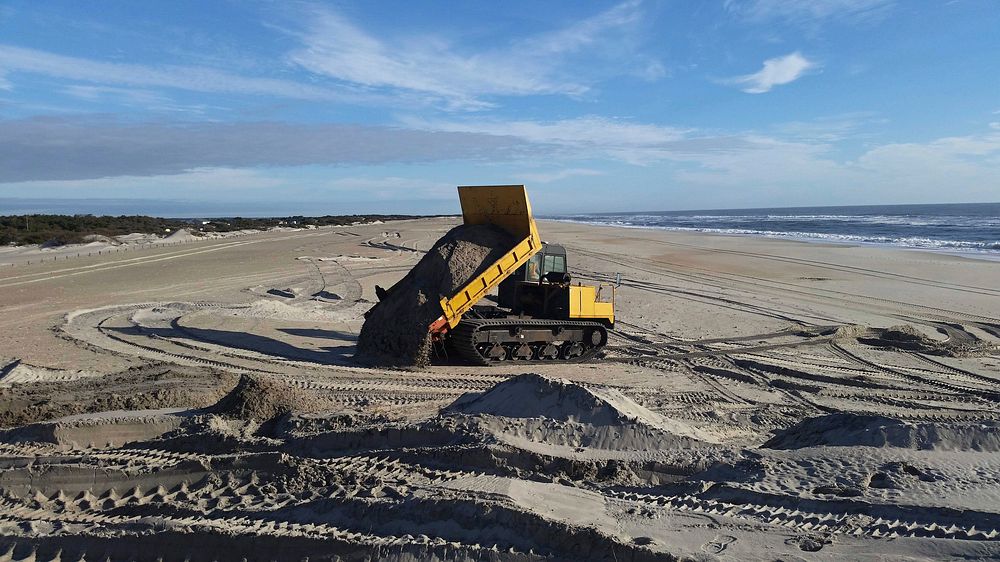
(541,314)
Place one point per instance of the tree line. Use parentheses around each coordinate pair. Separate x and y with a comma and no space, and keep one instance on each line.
(57,230)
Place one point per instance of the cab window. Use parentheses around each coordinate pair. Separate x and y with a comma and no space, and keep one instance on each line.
(534,266)
(555,264)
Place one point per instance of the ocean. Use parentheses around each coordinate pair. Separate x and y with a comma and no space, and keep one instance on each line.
(969,228)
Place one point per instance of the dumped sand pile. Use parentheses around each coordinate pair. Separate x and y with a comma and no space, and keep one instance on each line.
(905,337)
(535,396)
(395,331)
(309,311)
(182,235)
(852,430)
(850,331)
(262,398)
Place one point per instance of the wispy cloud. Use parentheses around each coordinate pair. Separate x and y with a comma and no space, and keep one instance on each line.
(65,154)
(189,78)
(57,148)
(953,169)
(831,128)
(130,95)
(810,12)
(351,65)
(584,135)
(149,100)
(556,175)
(337,48)
(775,72)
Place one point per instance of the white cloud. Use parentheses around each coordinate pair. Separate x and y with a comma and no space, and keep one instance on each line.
(949,155)
(798,159)
(947,169)
(768,163)
(776,72)
(337,48)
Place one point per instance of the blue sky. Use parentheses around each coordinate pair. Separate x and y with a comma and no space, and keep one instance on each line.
(323,107)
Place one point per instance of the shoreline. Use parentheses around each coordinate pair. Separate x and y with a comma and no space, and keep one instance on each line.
(983,255)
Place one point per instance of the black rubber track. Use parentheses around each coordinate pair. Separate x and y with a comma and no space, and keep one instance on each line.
(460,338)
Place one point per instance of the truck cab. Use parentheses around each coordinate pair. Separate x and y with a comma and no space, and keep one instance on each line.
(542,288)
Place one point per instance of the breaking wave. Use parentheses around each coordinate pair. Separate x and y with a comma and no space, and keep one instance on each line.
(973,228)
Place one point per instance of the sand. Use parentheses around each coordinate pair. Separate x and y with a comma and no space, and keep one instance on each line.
(758,400)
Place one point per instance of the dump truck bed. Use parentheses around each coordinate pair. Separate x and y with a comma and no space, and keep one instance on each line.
(507,207)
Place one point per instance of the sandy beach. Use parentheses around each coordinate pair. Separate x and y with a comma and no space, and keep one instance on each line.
(759,399)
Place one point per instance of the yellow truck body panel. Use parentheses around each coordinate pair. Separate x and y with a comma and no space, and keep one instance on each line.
(592,303)
(507,207)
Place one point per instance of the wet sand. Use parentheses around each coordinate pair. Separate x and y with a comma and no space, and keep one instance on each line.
(759,399)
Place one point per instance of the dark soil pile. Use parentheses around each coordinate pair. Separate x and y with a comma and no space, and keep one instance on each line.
(395,330)
(262,398)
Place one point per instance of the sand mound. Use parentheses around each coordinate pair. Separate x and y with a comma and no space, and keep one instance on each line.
(182,235)
(536,396)
(850,331)
(281,310)
(395,331)
(904,337)
(262,398)
(851,430)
